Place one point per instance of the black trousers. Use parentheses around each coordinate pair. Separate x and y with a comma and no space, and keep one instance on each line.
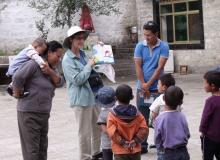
(144,108)
(107,154)
(135,156)
(33,130)
(210,149)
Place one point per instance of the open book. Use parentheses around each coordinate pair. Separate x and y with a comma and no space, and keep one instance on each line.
(103,54)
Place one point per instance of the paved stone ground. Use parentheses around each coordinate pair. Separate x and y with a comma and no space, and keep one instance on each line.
(62,133)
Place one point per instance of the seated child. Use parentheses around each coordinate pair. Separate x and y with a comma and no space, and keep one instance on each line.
(171,128)
(126,126)
(210,122)
(165,81)
(106,99)
(33,51)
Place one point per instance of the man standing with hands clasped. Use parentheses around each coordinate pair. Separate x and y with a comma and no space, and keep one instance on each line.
(150,57)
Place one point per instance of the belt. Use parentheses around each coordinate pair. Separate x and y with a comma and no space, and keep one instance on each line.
(174,149)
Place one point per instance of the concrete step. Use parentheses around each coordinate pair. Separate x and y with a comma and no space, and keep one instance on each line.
(127,45)
(124,67)
(123,56)
(124,63)
(124,72)
(123,52)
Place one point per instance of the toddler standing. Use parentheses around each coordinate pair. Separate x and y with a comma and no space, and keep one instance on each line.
(106,99)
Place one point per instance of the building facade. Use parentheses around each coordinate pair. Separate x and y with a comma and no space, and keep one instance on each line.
(191,27)
(17,25)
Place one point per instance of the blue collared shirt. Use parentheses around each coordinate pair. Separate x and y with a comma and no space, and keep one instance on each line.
(150,59)
(76,75)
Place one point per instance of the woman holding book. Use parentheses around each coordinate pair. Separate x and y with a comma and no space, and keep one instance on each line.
(82,87)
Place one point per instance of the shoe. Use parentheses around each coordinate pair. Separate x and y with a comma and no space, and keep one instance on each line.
(97,156)
(10,92)
(144,150)
(152,146)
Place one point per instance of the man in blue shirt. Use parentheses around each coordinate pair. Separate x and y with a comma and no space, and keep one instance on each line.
(150,57)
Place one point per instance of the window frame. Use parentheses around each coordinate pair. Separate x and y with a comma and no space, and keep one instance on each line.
(179,44)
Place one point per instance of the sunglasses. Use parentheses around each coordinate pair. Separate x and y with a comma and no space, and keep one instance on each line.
(80,38)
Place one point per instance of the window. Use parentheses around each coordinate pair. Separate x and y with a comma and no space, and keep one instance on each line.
(181,23)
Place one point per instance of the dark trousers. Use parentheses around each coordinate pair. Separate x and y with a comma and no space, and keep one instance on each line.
(107,154)
(144,108)
(33,129)
(175,154)
(210,149)
(136,156)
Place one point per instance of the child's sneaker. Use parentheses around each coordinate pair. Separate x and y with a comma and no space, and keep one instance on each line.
(98,156)
(10,91)
(152,146)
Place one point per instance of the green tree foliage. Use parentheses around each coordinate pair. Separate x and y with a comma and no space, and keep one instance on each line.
(62,12)
(42,28)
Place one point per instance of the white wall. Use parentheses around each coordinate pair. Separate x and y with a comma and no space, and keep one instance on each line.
(17,25)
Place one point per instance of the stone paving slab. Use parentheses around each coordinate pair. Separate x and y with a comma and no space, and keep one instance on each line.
(62,133)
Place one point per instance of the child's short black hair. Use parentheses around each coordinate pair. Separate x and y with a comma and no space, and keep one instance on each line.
(167,80)
(53,46)
(173,97)
(152,26)
(213,77)
(124,93)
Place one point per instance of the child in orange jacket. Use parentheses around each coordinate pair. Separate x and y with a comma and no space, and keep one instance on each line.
(126,126)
